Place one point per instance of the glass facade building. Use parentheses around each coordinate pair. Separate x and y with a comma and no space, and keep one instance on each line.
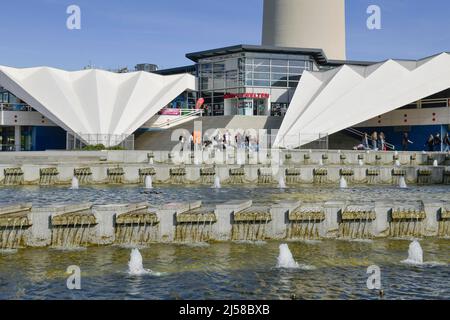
(250,80)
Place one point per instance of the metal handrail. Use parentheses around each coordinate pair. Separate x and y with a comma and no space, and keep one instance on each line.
(361,134)
(183,117)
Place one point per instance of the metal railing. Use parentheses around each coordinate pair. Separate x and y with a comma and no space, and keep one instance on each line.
(7,147)
(190,113)
(80,141)
(262,139)
(361,135)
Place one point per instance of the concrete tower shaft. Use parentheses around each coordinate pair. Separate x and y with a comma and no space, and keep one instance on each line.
(318,24)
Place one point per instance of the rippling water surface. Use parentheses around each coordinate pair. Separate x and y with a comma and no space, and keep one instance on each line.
(227,270)
(230,271)
(163,194)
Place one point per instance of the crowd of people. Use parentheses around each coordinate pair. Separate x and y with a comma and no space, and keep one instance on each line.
(377,141)
(245,140)
(223,141)
(436,143)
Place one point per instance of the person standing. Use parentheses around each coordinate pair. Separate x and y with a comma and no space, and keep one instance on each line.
(182,141)
(430,143)
(239,139)
(365,141)
(228,138)
(374,140)
(437,143)
(191,141)
(446,143)
(382,142)
(405,141)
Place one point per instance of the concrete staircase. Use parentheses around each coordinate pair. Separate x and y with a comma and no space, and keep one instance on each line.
(343,141)
(162,139)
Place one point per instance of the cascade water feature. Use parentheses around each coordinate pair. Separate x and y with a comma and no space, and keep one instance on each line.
(148,182)
(195,225)
(435,163)
(250,224)
(285,259)
(397,163)
(415,254)
(343,183)
(360,162)
(355,222)
(135,265)
(304,223)
(12,235)
(320,162)
(281,182)
(75,183)
(136,226)
(402,183)
(71,227)
(217,184)
(73,235)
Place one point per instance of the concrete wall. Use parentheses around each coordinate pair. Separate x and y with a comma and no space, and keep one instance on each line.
(103,231)
(305,161)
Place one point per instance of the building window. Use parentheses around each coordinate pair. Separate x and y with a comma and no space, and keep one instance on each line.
(238,73)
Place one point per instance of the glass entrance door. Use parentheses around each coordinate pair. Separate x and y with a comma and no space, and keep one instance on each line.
(259,107)
(245,107)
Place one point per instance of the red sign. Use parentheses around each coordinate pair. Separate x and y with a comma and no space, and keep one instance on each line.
(200,103)
(170,112)
(247,95)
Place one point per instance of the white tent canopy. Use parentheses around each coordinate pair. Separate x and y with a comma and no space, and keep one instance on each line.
(331,101)
(95,101)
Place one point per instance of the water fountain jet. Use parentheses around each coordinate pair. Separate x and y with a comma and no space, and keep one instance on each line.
(217,184)
(148,182)
(281,182)
(135,266)
(415,254)
(343,183)
(75,184)
(402,183)
(285,259)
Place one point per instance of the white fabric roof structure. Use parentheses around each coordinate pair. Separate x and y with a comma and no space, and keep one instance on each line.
(95,102)
(330,101)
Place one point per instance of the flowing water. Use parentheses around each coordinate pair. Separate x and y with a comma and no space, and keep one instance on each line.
(148,182)
(286,259)
(343,183)
(75,185)
(217,184)
(229,271)
(135,265)
(402,183)
(165,193)
(281,182)
(415,253)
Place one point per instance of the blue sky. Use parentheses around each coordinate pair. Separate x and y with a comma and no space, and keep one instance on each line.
(117,33)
